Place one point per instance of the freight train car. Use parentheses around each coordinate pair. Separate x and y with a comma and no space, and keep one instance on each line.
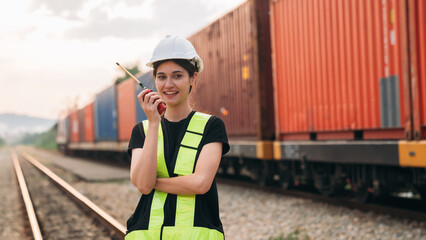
(236,84)
(62,134)
(348,87)
(325,93)
(108,121)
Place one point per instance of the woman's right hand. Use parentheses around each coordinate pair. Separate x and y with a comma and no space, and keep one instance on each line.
(149,101)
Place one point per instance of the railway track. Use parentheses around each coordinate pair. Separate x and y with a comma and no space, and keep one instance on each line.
(411,209)
(373,210)
(55,216)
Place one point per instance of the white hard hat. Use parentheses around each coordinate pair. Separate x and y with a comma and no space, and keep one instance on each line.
(176,47)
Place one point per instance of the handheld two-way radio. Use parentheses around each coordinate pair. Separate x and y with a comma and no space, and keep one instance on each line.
(161,107)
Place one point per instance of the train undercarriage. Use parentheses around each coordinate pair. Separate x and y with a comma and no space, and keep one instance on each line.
(360,181)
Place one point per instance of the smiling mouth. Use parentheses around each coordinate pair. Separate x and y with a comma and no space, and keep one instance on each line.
(170,93)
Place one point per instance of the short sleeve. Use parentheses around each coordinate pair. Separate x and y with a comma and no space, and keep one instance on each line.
(216,132)
(137,139)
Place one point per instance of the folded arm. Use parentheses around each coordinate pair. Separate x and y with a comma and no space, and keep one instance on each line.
(143,168)
(201,180)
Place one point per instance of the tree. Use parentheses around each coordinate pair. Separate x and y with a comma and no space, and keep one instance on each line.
(45,140)
(133,70)
(2,142)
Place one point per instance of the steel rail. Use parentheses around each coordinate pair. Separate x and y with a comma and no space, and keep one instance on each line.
(26,197)
(111,223)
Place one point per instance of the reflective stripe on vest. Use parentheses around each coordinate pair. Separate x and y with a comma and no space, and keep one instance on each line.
(185,161)
(156,218)
(185,204)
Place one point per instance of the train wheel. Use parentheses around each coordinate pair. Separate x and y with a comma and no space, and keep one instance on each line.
(223,168)
(236,166)
(261,175)
(327,179)
(284,172)
(363,194)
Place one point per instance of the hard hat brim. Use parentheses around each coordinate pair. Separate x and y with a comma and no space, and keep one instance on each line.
(198,61)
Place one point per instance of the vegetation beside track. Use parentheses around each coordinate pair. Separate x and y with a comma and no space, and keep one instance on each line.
(2,142)
(46,140)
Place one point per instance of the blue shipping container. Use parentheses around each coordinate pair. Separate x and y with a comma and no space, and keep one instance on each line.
(105,115)
(148,80)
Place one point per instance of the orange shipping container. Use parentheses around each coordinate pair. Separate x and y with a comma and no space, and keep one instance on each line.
(74,126)
(417,25)
(339,69)
(81,127)
(236,83)
(126,108)
(89,135)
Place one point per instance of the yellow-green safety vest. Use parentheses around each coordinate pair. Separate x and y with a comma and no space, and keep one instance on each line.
(185,205)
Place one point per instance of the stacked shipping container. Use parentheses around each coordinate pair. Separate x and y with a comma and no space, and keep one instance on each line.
(417,30)
(105,115)
(74,126)
(81,125)
(89,134)
(126,107)
(236,81)
(339,69)
(148,81)
(62,131)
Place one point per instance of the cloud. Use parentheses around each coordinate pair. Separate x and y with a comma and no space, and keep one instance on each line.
(181,15)
(166,17)
(65,9)
(101,26)
(94,20)
(25,31)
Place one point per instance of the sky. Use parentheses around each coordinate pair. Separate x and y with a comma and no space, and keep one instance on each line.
(55,54)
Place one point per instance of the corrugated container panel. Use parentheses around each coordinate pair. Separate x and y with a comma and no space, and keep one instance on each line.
(74,137)
(105,115)
(126,107)
(147,80)
(68,135)
(228,86)
(338,65)
(62,131)
(81,126)
(420,9)
(89,133)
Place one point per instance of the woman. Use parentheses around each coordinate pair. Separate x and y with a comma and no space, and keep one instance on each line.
(175,156)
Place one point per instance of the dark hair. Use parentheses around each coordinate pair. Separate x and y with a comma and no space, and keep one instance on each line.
(191,69)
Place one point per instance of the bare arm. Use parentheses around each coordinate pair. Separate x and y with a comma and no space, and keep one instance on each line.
(143,169)
(201,180)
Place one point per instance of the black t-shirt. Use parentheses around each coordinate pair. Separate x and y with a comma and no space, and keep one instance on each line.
(206,205)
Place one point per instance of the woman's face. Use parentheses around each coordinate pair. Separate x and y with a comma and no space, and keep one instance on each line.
(173,83)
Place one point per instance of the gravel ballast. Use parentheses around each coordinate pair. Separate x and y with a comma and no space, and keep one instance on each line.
(13,219)
(256,214)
